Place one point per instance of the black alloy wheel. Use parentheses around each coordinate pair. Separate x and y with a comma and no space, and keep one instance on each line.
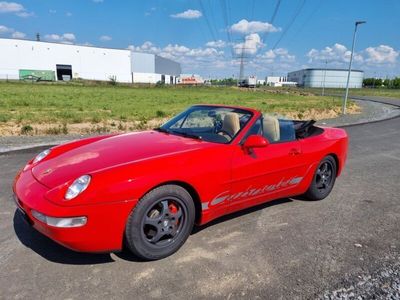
(163,221)
(323,180)
(160,222)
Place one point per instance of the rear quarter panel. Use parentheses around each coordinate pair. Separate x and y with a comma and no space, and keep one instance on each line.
(333,141)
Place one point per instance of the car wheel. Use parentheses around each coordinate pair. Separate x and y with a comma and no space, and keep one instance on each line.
(323,180)
(160,223)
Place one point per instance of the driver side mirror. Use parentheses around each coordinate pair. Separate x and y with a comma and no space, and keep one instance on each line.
(255,141)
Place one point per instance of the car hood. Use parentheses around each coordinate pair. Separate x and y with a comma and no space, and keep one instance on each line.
(111,152)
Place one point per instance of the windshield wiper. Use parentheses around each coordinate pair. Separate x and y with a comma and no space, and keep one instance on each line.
(160,129)
(185,134)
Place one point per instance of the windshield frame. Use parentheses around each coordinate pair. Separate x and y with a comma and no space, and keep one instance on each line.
(166,126)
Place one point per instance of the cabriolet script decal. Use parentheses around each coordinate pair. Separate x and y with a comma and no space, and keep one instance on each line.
(252,192)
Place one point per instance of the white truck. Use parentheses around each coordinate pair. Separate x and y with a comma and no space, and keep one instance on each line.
(248,82)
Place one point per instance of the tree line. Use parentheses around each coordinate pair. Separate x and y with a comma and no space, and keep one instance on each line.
(379,82)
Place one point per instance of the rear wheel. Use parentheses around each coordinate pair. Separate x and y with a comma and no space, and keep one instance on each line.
(323,180)
(160,223)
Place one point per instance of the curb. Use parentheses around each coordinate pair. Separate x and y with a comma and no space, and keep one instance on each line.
(374,121)
(42,145)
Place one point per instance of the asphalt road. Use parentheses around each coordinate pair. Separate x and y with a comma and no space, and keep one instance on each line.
(286,249)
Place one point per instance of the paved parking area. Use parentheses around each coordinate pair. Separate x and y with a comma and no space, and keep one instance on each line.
(284,249)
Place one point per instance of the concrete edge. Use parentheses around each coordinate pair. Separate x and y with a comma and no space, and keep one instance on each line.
(54,143)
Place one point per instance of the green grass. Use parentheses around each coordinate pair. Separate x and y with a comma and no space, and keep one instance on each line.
(33,103)
(379,92)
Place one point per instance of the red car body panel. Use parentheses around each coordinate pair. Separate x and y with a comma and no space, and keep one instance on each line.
(222,178)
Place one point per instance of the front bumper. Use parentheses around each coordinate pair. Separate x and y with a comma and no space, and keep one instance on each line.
(105,225)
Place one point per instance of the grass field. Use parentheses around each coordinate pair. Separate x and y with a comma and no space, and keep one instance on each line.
(381,92)
(61,108)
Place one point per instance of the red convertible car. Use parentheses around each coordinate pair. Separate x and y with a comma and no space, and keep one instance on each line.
(146,190)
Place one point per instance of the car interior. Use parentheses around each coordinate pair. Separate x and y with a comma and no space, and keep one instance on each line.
(221,125)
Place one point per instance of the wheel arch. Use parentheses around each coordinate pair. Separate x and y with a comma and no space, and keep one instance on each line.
(338,166)
(190,189)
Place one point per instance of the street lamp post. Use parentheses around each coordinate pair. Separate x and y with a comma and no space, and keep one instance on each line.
(323,85)
(351,61)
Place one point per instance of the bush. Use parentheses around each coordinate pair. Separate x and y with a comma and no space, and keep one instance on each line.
(58,130)
(160,114)
(26,129)
(160,84)
(113,80)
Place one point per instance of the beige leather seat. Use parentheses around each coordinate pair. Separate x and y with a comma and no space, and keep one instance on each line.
(271,129)
(231,124)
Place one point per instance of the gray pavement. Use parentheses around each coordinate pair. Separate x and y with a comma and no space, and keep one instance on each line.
(286,249)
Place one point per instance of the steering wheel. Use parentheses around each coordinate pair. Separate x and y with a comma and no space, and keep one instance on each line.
(224,132)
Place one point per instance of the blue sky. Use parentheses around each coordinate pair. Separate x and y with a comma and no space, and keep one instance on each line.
(209,36)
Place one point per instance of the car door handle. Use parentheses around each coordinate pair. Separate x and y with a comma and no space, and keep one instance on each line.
(294,151)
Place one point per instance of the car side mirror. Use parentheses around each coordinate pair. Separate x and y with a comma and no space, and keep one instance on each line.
(255,141)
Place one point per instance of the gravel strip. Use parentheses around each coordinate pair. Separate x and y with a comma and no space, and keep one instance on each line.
(381,284)
(371,111)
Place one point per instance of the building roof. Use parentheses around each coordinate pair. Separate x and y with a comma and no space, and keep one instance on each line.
(78,45)
(327,69)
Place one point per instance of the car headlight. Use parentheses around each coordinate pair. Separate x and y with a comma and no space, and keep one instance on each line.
(41,155)
(77,187)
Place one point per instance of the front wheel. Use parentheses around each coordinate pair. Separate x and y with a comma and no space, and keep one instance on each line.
(160,223)
(323,180)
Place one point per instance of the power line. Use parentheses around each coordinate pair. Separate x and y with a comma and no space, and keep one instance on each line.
(212,18)
(272,20)
(307,20)
(290,24)
(225,15)
(213,36)
(252,9)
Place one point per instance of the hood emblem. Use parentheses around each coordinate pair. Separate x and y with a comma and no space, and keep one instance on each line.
(47,171)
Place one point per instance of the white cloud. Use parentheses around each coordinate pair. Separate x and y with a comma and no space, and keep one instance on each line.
(250,45)
(68,14)
(105,38)
(14,34)
(10,7)
(193,57)
(98,1)
(18,35)
(52,11)
(382,54)
(66,38)
(25,14)
(277,55)
(14,8)
(216,44)
(188,14)
(337,54)
(5,29)
(245,27)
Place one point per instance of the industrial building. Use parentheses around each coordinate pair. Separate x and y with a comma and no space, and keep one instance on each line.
(22,59)
(328,78)
(279,81)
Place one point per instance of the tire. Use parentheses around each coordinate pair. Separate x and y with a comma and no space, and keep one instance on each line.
(160,223)
(323,180)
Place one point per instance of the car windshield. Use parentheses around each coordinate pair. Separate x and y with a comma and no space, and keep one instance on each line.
(209,123)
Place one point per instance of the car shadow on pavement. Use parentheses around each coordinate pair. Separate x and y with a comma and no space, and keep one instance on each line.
(243,212)
(54,252)
(50,250)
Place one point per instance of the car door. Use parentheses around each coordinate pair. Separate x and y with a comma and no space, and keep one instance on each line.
(263,174)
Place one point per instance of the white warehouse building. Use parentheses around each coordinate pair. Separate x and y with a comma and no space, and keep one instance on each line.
(329,78)
(20,58)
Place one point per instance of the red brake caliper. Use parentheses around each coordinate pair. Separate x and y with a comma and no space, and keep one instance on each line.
(173,210)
